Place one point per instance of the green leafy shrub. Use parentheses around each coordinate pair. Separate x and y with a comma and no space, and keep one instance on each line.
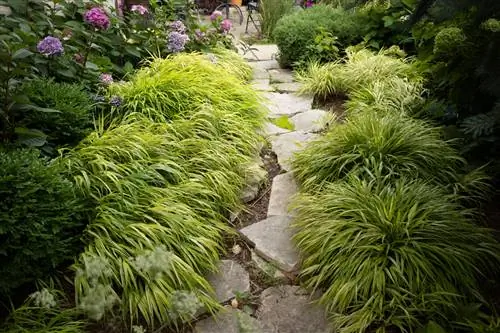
(389,145)
(41,219)
(295,33)
(390,254)
(271,11)
(63,111)
(449,41)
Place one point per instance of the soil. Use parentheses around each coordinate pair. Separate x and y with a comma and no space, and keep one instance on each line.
(334,104)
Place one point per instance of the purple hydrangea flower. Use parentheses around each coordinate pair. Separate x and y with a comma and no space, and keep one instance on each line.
(199,35)
(176,41)
(215,15)
(226,25)
(97,18)
(139,9)
(106,78)
(178,26)
(50,46)
(115,101)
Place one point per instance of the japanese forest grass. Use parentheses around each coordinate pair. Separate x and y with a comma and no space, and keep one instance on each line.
(183,82)
(164,174)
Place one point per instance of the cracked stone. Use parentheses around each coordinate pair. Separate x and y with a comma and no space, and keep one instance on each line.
(283,189)
(272,238)
(229,320)
(287,144)
(286,104)
(289,309)
(230,279)
(310,121)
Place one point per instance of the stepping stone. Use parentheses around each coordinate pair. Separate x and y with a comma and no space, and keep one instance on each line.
(286,104)
(264,65)
(309,121)
(262,85)
(262,52)
(231,278)
(287,144)
(270,129)
(282,190)
(288,87)
(260,74)
(288,309)
(268,268)
(229,320)
(255,176)
(281,75)
(272,240)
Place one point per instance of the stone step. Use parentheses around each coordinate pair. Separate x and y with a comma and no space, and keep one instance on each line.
(230,278)
(286,104)
(281,75)
(289,87)
(270,129)
(262,85)
(310,121)
(272,239)
(283,189)
(229,320)
(287,144)
(289,309)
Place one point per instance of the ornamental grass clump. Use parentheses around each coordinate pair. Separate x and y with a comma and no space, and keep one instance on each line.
(390,145)
(185,82)
(381,81)
(390,254)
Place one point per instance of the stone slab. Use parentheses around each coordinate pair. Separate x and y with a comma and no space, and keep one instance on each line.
(230,278)
(283,189)
(262,52)
(260,74)
(289,309)
(262,85)
(288,87)
(268,268)
(286,104)
(309,121)
(272,238)
(287,144)
(229,320)
(264,65)
(281,76)
(270,129)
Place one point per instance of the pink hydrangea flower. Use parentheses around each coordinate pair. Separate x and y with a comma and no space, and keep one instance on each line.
(226,25)
(139,9)
(97,18)
(215,15)
(106,78)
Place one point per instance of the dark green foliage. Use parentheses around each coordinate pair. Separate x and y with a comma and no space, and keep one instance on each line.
(295,34)
(69,118)
(41,219)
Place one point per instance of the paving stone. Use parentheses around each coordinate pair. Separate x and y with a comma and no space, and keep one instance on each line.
(281,76)
(262,52)
(288,87)
(255,176)
(283,189)
(230,278)
(229,320)
(264,65)
(272,240)
(270,129)
(286,104)
(288,309)
(309,121)
(287,144)
(262,85)
(268,268)
(260,74)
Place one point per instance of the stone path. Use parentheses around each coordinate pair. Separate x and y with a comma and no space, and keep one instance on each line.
(284,308)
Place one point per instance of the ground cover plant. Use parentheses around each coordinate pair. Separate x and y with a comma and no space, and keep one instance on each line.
(164,178)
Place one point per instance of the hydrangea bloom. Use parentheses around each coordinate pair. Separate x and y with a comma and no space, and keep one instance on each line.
(215,15)
(97,18)
(178,26)
(50,46)
(176,41)
(106,78)
(115,101)
(139,9)
(226,25)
